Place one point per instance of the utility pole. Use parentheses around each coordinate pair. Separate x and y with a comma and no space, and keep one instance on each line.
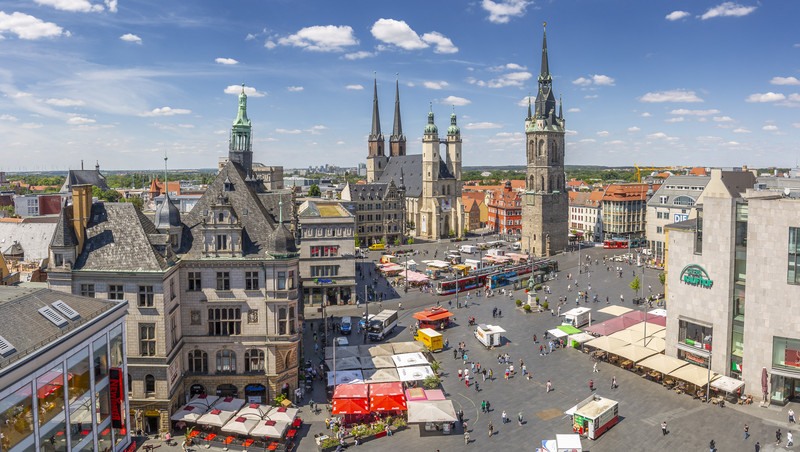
(366,314)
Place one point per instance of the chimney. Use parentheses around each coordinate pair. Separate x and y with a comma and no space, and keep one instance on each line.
(81,164)
(81,211)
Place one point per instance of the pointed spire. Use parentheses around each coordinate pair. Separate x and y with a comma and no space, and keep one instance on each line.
(166,185)
(560,107)
(241,117)
(545,73)
(376,118)
(397,131)
(529,106)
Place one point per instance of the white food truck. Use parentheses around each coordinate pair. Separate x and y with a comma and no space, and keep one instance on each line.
(577,317)
(562,443)
(489,335)
(593,416)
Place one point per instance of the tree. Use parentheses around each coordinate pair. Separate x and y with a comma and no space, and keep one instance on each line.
(435,367)
(635,285)
(358,241)
(396,242)
(662,278)
(136,201)
(314,191)
(410,225)
(432,382)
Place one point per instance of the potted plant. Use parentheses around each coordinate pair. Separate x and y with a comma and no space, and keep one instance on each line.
(435,366)
(519,303)
(527,308)
(545,305)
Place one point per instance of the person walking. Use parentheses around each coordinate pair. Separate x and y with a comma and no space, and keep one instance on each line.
(591,385)
(549,386)
(594,369)
(466,380)
(789,439)
(483,406)
(505,417)
(778,437)
(614,383)
(519,418)
(746,431)
(758,446)
(491,429)
(791,416)
(466,438)
(476,386)
(664,428)
(712,446)
(491,375)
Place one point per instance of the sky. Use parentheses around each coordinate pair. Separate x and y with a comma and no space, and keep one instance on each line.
(122,83)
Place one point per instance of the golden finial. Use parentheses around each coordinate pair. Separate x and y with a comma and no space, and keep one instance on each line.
(544,24)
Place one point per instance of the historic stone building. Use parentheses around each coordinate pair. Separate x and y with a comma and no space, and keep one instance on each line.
(545,213)
(433,204)
(378,209)
(213,295)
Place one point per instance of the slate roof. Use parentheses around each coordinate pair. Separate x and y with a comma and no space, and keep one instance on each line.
(672,193)
(63,234)
(362,192)
(258,223)
(84,177)
(118,239)
(737,182)
(33,236)
(28,330)
(411,168)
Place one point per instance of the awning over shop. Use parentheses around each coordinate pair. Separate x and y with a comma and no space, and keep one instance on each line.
(557,333)
(569,329)
(215,418)
(433,316)
(189,413)
(331,282)
(240,425)
(615,310)
(270,429)
(662,363)
(647,327)
(638,316)
(350,406)
(434,394)
(351,391)
(727,384)
(653,343)
(695,375)
(344,363)
(658,312)
(381,375)
(416,394)
(634,353)
(606,343)
(417,373)
(377,362)
(431,411)
(658,320)
(581,337)
(391,267)
(409,359)
(661,334)
(345,377)
(375,350)
(610,326)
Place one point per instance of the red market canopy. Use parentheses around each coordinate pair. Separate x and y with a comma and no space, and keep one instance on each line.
(657,319)
(386,389)
(350,406)
(638,316)
(351,391)
(387,403)
(611,326)
(433,314)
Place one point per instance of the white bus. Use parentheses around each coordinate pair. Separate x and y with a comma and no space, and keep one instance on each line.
(382,325)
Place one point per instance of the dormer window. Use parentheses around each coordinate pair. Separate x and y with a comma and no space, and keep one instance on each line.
(221,242)
(221,217)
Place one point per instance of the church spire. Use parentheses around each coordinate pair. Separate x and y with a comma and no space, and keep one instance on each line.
(545,100)
(529,106)
(545,73)
(397,142)
(239,148)
(376,117)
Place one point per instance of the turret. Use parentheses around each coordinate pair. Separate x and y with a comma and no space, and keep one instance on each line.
(376,160)
(240,146)
(430,156)
(168,217)
(454,148)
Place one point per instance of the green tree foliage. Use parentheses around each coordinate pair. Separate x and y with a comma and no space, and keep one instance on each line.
(358,241)
(662,278)
(635,285)
(136,201)
(432,382)
(314,191)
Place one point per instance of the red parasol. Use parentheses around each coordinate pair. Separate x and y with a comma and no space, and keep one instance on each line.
(350,406)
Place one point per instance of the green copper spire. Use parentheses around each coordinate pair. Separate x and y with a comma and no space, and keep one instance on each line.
(453,129)
(545,73)
(241,118)
(431,127)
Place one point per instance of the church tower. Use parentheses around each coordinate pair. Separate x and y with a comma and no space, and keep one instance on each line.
(397,142)
(429,218)
(376,160)
(545,214)
(240,148)
(454,150)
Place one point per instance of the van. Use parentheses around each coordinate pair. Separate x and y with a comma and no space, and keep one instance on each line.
(377,246)
(516,246)
(346,325)
(432,339)
(469,249)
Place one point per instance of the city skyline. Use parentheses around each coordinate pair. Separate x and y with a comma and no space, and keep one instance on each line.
(122,83)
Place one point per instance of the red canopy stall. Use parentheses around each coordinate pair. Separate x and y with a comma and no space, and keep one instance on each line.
(387,397)
(350,406)
(437,318)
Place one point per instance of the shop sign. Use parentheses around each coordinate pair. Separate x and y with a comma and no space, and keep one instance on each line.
(116,392)
(173,371)
(254,388)
(153,413)
(695,359)
(792,357)
(694,275)
(323,281)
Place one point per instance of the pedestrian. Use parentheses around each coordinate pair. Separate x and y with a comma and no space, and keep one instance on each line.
(460,415)
(614,383)
(712,446)
(455,354)
(466,380)
(778,437)
(446,343)
(506,373)
(484,374)
(491,375)
(519,418)
(491,429)
(466,438)
(524,370)
(746,431)
(594,369)
(459,374)
(511,370)
(476,386)
(483,406)
(664,428)
(549,386)
(789,439)
(591,385)
(791,416)
(758,446)
(488,406)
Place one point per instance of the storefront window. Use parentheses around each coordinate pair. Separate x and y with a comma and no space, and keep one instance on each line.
(80,420)
(738,302)
(695,335)
(50,394)
(102,405)
(16,419)
(78,369)
(53,435)
(116,346)
(786,353)
(100,359)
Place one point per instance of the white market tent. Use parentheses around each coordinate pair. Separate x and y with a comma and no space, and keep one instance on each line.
(240,425)
(555,332)
(374,350)
(283,414)
(417,373)
(381,375)
(378,362)
(408,347)
(663,363)
(634,353)
(628,336)
(660,312)
(215,418)
(350,351)
(615,310)
(229,404)
(345,377)
(409,359)
(431,411)
(727,384)
(348,363)
(649,328)
(606,343)
(581,337)
(695,375)
(660,334)
(653,343)
(254,411)
(189,413)
(270,428)
(203,400)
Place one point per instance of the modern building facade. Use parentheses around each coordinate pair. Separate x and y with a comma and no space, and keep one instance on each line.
(327,253)
(545,213)
(671,203)
(49,338)
(505,210)
(624,209)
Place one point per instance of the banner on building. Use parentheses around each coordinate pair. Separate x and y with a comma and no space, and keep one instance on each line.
(117,394)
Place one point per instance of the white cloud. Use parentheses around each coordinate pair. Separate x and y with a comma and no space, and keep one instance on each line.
(723,119)
(646,115)
(678,119)
(770,127)
(166,111)
(340,142)
(65,102)
(766,97)
(510,79)
(676,15)
(130,37)
(79,121)
(359,55)
(28,27)
(507,139)
(683,111)
(226,61)
(354,87)
(708,138)
(728,9)
(249,90)
(633,129)
(289,131)
(434,85)
(785,81)
(8,118)
(794,124)
(294,89)
(317,130)
(482,125)
(397,32)
(591,96)
(111,5)
(441,43)
(676,95)
(603,133)
(456,101)
(741,130)
(587,140)
(602,80)
(794,97)
(582,81)
(574,110)
(78,6)
(32,125)
(270,44)
(502,11)
(660,136)
(322,38)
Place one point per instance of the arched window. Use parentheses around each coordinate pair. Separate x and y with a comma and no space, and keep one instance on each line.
(149,384)
(541,148)
(221,217)
(541,185)
(253,360)
(530,183)
(226,361)
(198,361)
(287,364)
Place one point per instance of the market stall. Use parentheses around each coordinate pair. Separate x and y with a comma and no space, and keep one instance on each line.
(730,386)
(610,326)
(568,329)
(240,425)
(653,343)
(269,429)
(414,374)
(594,415)
(350,406)
(632,354)
(380,375)
(562,443)
(348,363)
(577,340)
(387,397)
(283,414)
(615,310)
(188,413)
(436,318)
(408,347)
(345,377)
(696,376)
(409,359)
(557,333)
(229,404)
(647,327)
(660,366)
(605,343)
(415,278)
(628,336)
(351,391)
(432,415)
(377,362)
(375,350)
(215,418)
(254,410)
(348,351)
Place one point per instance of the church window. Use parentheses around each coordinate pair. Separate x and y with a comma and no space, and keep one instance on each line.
(541,148)
(542,186)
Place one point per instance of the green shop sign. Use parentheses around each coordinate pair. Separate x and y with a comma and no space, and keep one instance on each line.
(695,275)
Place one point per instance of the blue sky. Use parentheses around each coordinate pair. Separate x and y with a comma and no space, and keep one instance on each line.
(648,82)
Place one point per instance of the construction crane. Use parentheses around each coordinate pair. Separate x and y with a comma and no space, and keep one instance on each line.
(654,168)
